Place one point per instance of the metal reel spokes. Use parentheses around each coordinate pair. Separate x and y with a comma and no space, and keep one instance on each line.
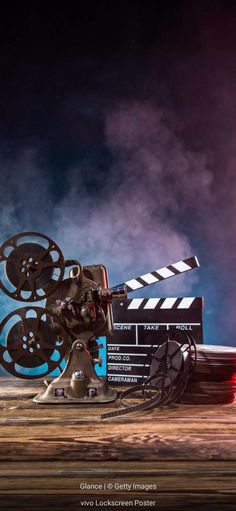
(29,345)
(32,266)
(171,366)
(167,360)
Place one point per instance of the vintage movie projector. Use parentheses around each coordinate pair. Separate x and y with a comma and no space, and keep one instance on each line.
(76,311)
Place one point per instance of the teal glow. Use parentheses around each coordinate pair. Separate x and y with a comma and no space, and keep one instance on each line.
(40,370)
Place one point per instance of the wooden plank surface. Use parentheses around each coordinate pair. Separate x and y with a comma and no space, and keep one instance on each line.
(76,477)
(187,453)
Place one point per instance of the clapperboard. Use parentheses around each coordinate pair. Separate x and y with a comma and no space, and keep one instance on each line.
(141,324)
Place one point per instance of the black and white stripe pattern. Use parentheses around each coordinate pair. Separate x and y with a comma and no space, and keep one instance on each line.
(189,302)
(161,274)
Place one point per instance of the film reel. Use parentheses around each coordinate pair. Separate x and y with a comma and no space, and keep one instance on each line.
(168,360)
(33,266)
(174,360)
(29,345)
(170,368)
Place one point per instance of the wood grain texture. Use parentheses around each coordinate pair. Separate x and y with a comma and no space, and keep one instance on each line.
(188,452)
(69,476)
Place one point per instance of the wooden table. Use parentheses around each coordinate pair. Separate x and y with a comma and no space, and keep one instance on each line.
(51,455)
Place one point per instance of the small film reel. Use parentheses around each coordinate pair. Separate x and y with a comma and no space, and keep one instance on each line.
(30,346)
(170,368)
(167,360)
(32,267)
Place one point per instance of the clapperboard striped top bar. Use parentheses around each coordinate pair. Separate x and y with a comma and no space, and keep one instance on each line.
(161,274)
(188,302)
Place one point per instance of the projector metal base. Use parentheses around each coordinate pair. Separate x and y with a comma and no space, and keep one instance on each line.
(78,383)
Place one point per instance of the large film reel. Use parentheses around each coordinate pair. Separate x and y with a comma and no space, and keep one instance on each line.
(33,266)
(29,344)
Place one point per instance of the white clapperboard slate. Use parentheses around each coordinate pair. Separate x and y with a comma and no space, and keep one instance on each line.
(140,324)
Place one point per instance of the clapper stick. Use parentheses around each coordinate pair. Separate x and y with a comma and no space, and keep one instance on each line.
(161,274)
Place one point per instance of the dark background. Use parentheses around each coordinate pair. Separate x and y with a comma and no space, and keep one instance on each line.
(117,139)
